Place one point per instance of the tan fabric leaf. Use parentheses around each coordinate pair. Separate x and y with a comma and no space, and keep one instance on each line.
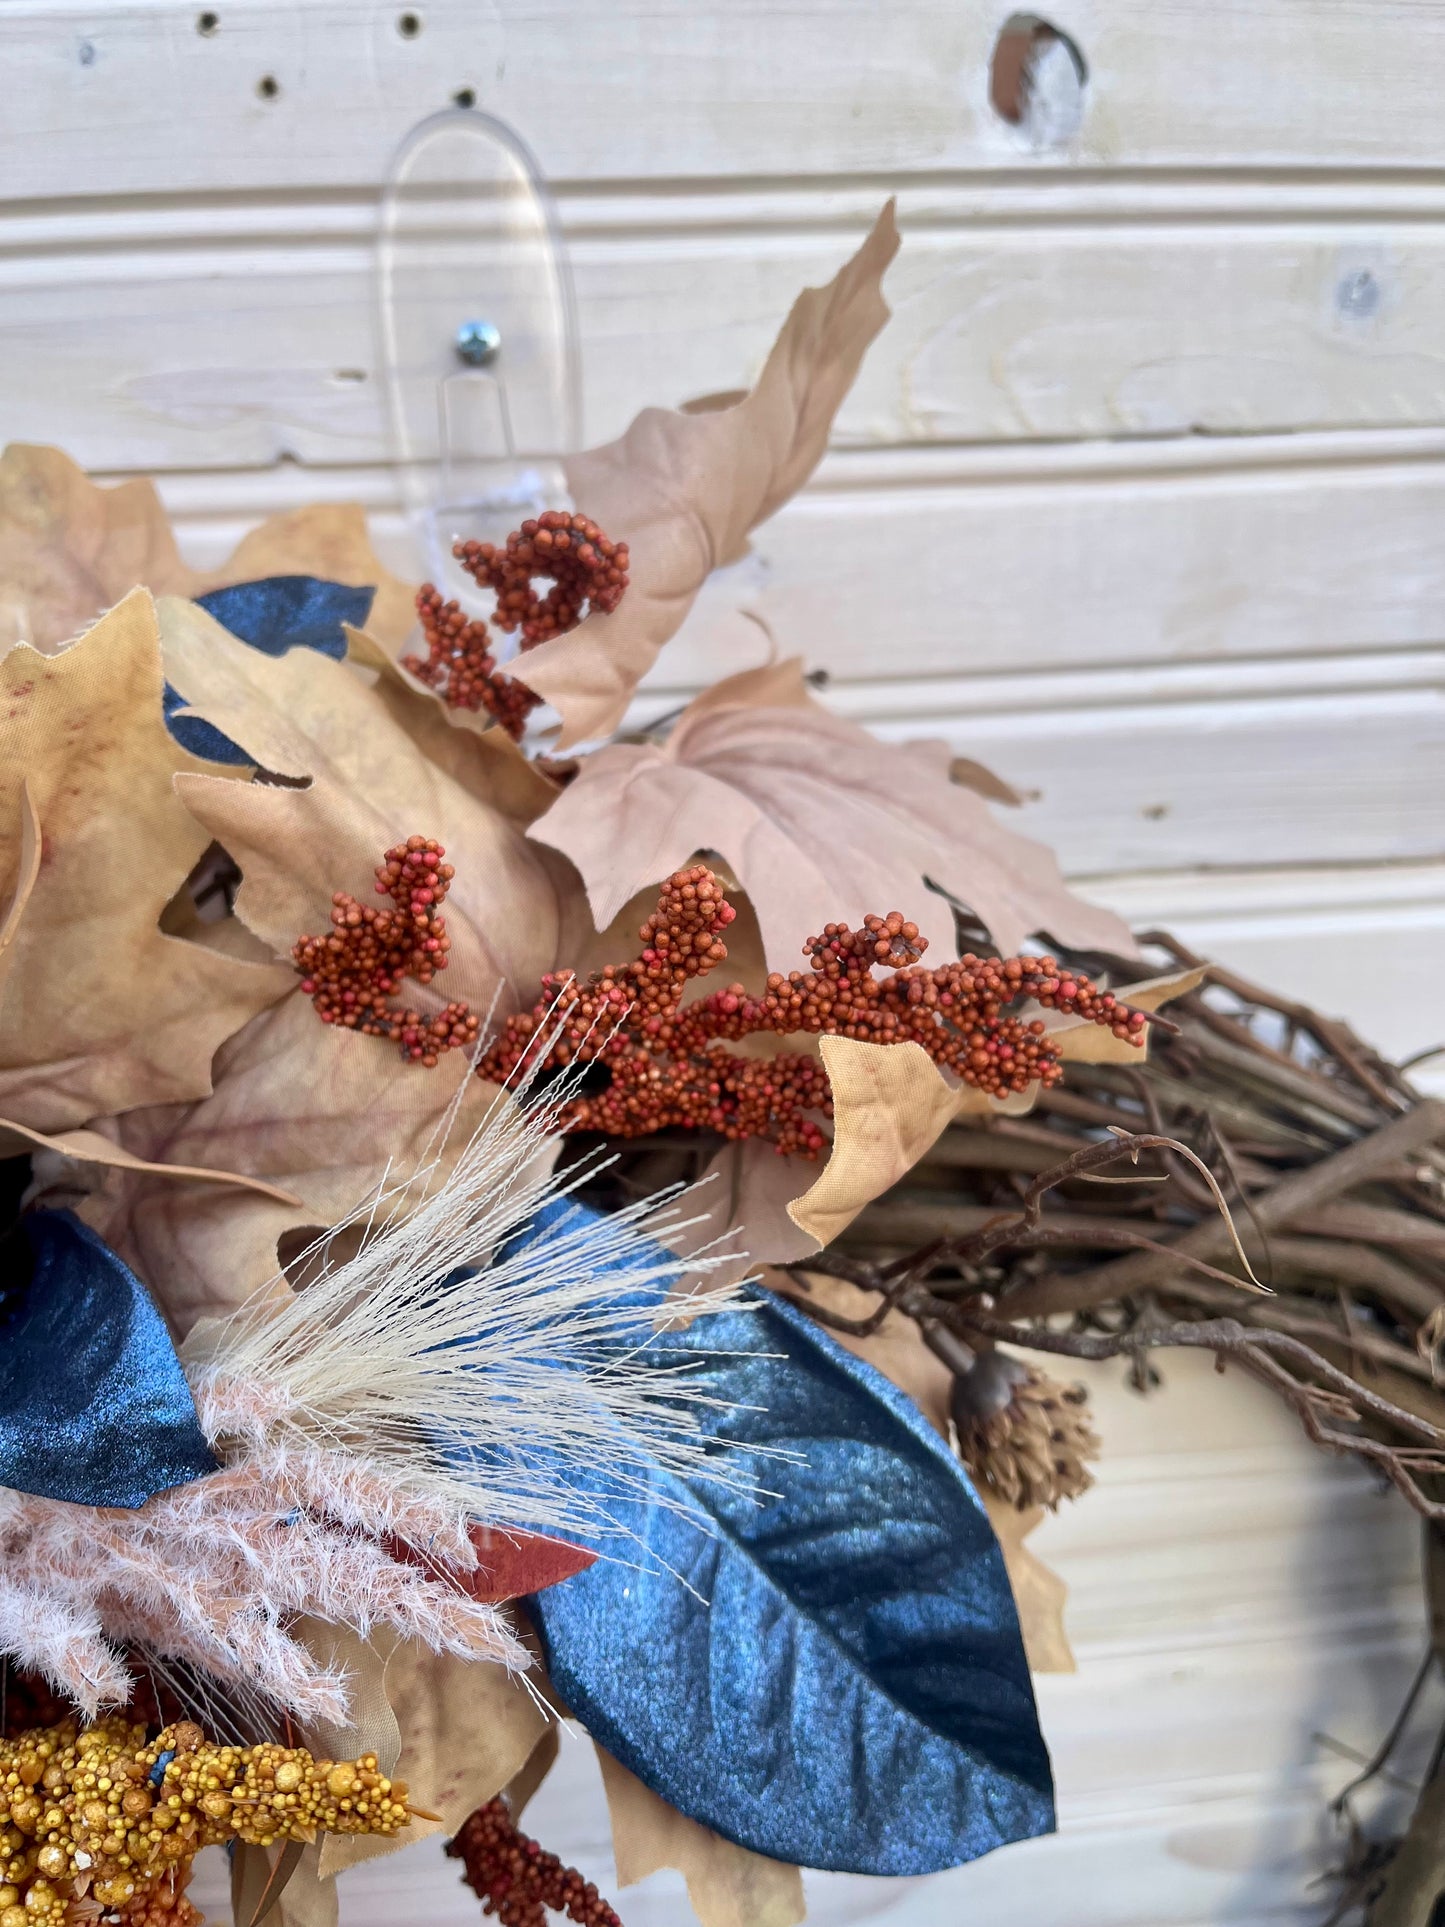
(820,821)
(524,1787)
(102,1011)
(27,869)
(975,776)
(683,490)
(467,1727)
(1039,1593)
(372,1726)
(90,1147)
(309,1898)
(317,1112)
(325,539)
(897,1350)
(69,549)
(483,760)
(727,1885)
(890,1104)
(302,715)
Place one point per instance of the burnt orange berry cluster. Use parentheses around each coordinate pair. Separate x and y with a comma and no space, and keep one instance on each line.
(517,1881)
(667,1064)
(584,567)
(460,666)
(955,1012)
(351,974)
(103,1822)
(587,571)
(646,1061)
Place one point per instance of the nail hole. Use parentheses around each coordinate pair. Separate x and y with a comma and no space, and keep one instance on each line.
(465,97)
(349,374)
(408,25)
(1154,812)
(1037,79)
(268,86)
(87,53)
(207,23)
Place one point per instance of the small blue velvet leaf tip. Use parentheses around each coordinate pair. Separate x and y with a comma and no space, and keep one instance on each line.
(830,1671)
(94,1405)
(278,613)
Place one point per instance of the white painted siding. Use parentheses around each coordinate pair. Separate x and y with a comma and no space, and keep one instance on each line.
(1151,460)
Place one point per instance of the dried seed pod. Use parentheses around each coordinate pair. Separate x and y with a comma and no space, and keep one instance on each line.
(1023,1434)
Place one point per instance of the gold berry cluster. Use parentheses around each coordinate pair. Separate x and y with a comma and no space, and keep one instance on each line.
(105,1821)
(586,570)
(516,1880)
(350,974)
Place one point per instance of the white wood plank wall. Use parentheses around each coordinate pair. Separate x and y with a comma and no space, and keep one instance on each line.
(1141,498)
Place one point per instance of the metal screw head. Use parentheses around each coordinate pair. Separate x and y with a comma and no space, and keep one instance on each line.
(478,342)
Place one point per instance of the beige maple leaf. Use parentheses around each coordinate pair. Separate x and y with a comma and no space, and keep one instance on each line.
(69,549)
(324,1117)
(820,821)
(319,1113)
(101,1010)
(683,488)
(727,1885)
(365,783)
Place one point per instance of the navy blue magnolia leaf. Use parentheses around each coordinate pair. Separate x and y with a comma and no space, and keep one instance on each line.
(833,1674)
(278,613)
(94,1406)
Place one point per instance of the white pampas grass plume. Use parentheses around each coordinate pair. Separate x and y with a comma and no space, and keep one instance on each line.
(417,1386)
(480,1382)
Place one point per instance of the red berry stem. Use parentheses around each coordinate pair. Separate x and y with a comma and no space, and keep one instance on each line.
(664,1061)
(516,1880)
(587,571)
(350,974)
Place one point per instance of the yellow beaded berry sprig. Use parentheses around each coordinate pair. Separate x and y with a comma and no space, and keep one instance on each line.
(103,1823)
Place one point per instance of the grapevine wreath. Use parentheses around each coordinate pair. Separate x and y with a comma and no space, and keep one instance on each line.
(525,1207)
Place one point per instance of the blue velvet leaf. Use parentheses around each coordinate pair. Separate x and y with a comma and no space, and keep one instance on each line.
(94,1406)
(833,1674)
(278,613)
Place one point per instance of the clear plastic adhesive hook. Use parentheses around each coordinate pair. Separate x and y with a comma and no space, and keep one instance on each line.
(478,337)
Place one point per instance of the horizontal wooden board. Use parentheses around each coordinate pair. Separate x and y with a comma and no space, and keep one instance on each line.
(906,564)
(131,97)
(256,339)
(922,563)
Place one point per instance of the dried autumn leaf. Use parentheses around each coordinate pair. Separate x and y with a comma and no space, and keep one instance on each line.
(891,1104)
(322,1114)
(102,1011)
(727,1885)
(70,549)
(898,1351)
(324,539)
(467,1727)
(368,784)
(821,822)
(683,490)
(92,1147)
